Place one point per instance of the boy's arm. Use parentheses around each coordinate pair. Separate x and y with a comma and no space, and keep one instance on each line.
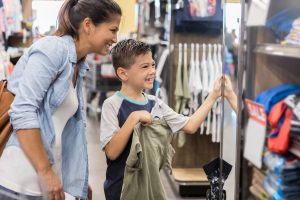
(119,140)
(200,115)
(113,138)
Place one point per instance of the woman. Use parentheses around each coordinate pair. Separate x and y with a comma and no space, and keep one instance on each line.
(47,151)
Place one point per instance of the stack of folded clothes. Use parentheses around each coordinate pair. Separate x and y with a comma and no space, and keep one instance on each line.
(294,36)
(283,176)
(256,187)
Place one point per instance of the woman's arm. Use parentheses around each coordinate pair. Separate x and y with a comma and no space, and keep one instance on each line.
(32,145)
(42,68)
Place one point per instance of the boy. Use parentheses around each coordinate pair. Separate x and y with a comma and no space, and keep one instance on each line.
(135,67)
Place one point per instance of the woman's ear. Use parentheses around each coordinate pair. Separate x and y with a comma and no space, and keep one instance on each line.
(122,74)
(87,25)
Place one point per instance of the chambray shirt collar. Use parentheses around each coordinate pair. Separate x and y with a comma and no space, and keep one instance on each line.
(83,66)
(72,49)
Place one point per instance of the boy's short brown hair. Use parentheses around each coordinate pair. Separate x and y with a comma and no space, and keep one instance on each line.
(125,52)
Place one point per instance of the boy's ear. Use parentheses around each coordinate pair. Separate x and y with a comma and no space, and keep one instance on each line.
(122,74)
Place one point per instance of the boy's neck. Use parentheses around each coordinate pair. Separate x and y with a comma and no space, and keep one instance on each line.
(132,93)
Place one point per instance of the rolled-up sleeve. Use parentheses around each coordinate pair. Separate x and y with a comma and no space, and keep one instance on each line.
(44,62)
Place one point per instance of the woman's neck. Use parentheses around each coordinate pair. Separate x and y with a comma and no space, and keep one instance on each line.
(81,49)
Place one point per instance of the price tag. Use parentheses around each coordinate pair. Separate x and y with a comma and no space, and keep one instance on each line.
(255,133)
(258,12)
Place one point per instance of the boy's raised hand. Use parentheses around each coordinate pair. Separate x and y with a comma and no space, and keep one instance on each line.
(216,90)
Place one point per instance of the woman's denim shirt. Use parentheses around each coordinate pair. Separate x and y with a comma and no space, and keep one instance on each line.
(40,82)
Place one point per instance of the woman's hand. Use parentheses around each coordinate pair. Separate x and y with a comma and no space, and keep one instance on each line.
(228,92)
(90,193)
(51,183)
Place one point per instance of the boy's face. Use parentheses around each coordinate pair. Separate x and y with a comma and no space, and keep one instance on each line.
(141,74)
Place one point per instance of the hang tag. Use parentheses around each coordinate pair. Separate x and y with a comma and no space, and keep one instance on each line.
(255,133)
(258,12)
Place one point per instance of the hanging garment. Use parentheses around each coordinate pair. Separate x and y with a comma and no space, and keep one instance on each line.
(186,91)
(204,81)
(216,62)
(13,14)
(161,64)
(150,151)
(215,107)
(192,77)
(179,83)
(211,73)
(293,102)
(279,137)
(2,20)
(186,95)
(197,81)
(160,68)
(219,55)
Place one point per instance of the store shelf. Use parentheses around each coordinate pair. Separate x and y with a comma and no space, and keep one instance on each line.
(188,175)
(290,51)
(295,148)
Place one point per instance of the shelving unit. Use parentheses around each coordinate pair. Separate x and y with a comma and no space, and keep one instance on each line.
(295,147)
(290,51)
(267,65)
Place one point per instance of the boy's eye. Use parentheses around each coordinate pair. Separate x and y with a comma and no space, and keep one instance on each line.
(146,66)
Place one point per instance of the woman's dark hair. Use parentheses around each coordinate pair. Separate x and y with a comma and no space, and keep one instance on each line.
(73,12)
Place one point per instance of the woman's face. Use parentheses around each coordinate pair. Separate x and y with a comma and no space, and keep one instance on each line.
(104,35)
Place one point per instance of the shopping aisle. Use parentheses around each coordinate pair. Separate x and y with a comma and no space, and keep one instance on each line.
(97,165)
